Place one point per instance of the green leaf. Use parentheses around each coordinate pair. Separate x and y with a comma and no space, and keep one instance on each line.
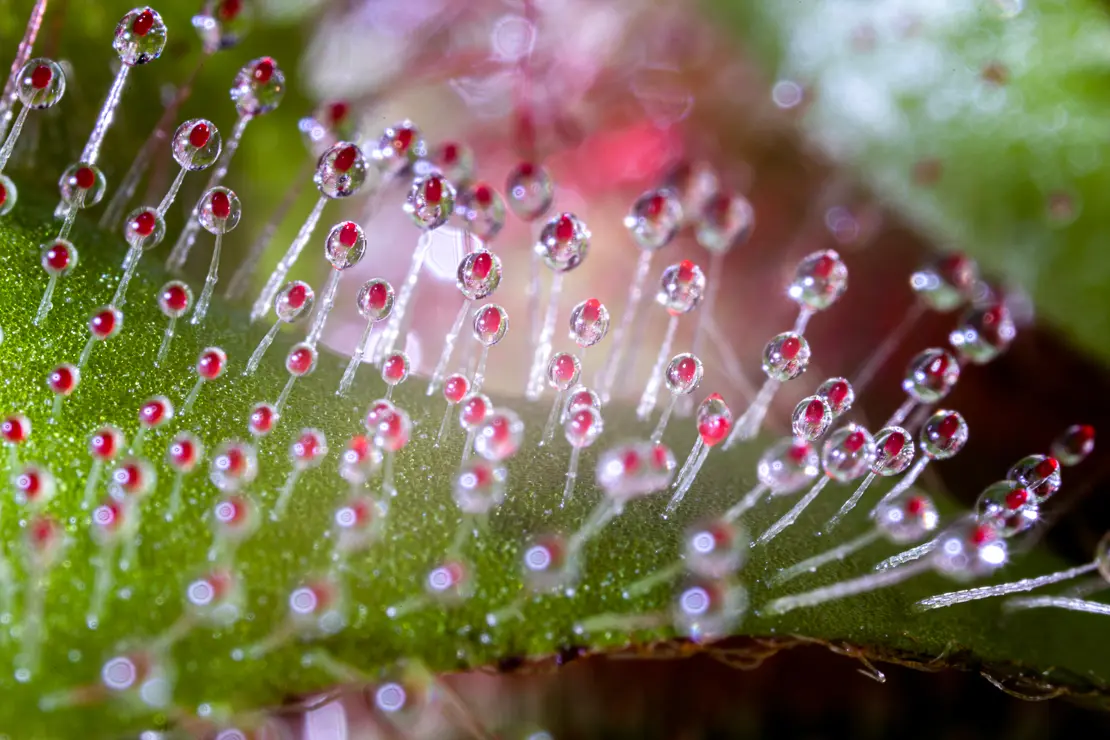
(1057,649)
(1006,108)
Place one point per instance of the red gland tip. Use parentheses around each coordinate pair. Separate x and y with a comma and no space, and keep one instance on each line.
(221,205)
(345,159)
(41,77)
(199,135)
(142,24)
(264,70)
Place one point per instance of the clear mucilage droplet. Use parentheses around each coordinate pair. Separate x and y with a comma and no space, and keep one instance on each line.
(894,450)
(681,288)
(399,148)
(482,210)
(907,518)
(140,36)
(529,190)
(654,219)
(258,87)
(340,171)
(984,332)
(345,245)
(819,280)
(219,210)
(431,201)
(375,299)
(946,283)
(943,435)
(222,23)
(726,220)
(82,185)
(788,465)
(848,453)
(564,242)
(931,375)
(786,356)
(589,322)
(684,373)
(811,418)
(42,83)
(478,275)
(196,144)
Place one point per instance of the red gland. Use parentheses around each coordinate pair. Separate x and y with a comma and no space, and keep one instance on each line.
(104,323)
(402,140)
(489,321)
(221,205)
(348,234)
(262,419)
(591,310)
(211,363)
(1017,498)
(915,506)
(630,462)
(483,195)
(345,159)
(893,445)
(41,77)
(62,379)
(482,265)
(199,135)
(525,169)
(653,209)
(131,478)
(565,368)
(155,412)
(43,534)
(854,441)
(394,368)
(791,346)
(143,23)
(300,361)
(105,444)
(176,298)
(337,112)
(838,393)
(449,154)
(949,427)
(308,447)
(823,266)
(686,271)
(296,296)
(16,429)
(30,485)
(144,223)
(264,70)
(378,296)
(1047,468)
(798,451)
(229,10)
(982,534)
(455,388)
(58,258)
(714,429)
(687,369)
(3,194)
(433,190)
(564,229)
(815,412)
(183,453)
(85,178)
(474,411)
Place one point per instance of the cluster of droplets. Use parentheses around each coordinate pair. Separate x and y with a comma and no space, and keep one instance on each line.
(440,185)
